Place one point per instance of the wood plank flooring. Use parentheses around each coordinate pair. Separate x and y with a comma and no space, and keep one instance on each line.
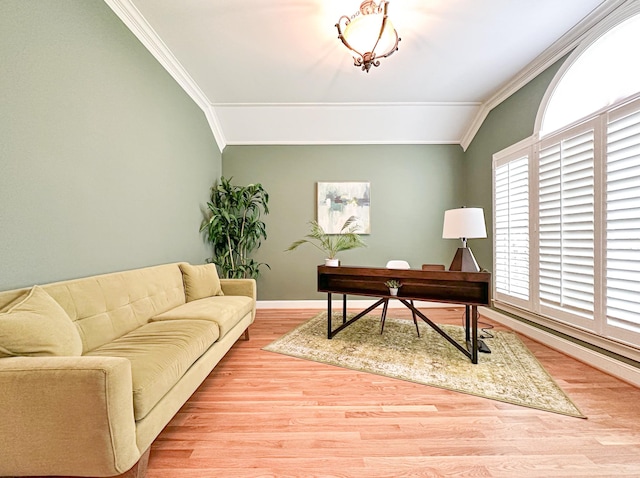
(261,414)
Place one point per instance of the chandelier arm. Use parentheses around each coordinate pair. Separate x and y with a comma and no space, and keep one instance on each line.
(382,25)
(393,49)
(344,40)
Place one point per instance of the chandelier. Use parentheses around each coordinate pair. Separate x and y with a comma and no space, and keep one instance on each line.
(369,34)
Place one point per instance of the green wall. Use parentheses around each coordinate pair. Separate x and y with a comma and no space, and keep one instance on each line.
(411,186)
(511,121)
(105,160)
(106,164)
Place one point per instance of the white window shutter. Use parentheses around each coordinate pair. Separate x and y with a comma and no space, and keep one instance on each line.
(566,224)
(623,222)
(512,228)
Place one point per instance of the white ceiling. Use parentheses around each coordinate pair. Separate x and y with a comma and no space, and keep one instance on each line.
(274,71)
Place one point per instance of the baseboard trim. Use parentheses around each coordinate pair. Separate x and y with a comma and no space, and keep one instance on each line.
(337,303)
(618,369)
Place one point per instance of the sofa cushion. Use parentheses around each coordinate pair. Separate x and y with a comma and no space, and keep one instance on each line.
(38,326)
(200,281)
(160,353)
(226,311)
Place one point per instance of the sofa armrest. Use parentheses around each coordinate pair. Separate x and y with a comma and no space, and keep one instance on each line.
(239,287)
(66,416)
(245,287)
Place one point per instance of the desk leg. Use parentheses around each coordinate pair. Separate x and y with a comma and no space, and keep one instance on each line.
(344,308)
(384,314)
(461,348)
(471,331)
(331,333)
(467,323)
(474,344)
(415,320)
(474,333)
(329,315)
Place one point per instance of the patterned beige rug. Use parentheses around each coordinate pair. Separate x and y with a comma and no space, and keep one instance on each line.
(510,373)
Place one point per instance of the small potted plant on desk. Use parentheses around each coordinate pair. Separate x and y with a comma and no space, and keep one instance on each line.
(331,244)
(393,286)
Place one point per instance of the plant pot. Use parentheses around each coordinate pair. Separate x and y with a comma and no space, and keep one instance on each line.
(393,291)
(332,262)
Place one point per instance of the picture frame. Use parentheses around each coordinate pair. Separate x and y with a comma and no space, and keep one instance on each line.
(337,201)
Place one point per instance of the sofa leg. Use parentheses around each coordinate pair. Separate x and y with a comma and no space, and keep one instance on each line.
(246,334)
(139,470)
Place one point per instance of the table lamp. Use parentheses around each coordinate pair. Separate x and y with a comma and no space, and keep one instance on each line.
(464,223)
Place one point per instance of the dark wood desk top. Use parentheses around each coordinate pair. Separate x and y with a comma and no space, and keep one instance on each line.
(470,288)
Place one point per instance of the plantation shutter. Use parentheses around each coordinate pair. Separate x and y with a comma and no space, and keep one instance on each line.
(512,228)
(566,224)
(623,222)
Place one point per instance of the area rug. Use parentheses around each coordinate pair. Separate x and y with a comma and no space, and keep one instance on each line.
(510,373)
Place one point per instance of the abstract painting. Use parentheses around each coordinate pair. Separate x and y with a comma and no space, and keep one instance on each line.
(337,201)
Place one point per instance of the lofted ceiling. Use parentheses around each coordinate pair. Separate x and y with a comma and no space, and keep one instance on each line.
(274,71)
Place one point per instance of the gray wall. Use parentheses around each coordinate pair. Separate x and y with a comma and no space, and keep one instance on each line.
(105,160)
(411,186)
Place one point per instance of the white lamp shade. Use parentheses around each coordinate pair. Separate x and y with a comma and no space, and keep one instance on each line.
(466,222)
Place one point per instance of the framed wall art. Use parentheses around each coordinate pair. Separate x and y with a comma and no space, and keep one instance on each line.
(337,201)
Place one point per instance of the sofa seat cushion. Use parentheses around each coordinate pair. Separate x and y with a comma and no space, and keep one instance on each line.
(160,353)
(226,311)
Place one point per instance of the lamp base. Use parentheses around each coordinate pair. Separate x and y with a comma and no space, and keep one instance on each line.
(464,261)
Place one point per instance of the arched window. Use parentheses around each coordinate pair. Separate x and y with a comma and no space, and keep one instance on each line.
(567,200)
(595,78)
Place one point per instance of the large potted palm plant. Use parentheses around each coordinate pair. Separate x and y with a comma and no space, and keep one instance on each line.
(234,228)
(332,244)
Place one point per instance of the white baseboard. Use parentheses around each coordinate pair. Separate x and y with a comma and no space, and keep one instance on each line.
(337,304)
(621,370)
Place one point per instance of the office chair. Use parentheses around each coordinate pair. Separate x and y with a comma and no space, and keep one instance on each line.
(396,264)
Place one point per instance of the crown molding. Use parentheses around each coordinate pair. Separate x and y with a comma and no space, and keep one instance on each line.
(404,104)
(139,26)
(555,52)
(324,142)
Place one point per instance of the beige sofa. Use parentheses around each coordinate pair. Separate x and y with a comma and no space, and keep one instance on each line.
(92,369)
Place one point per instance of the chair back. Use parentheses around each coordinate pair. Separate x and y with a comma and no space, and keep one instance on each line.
(395,264)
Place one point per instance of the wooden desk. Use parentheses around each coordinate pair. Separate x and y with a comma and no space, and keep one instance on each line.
(470,289)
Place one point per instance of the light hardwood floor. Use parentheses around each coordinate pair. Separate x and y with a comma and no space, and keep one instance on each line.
(261,414)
